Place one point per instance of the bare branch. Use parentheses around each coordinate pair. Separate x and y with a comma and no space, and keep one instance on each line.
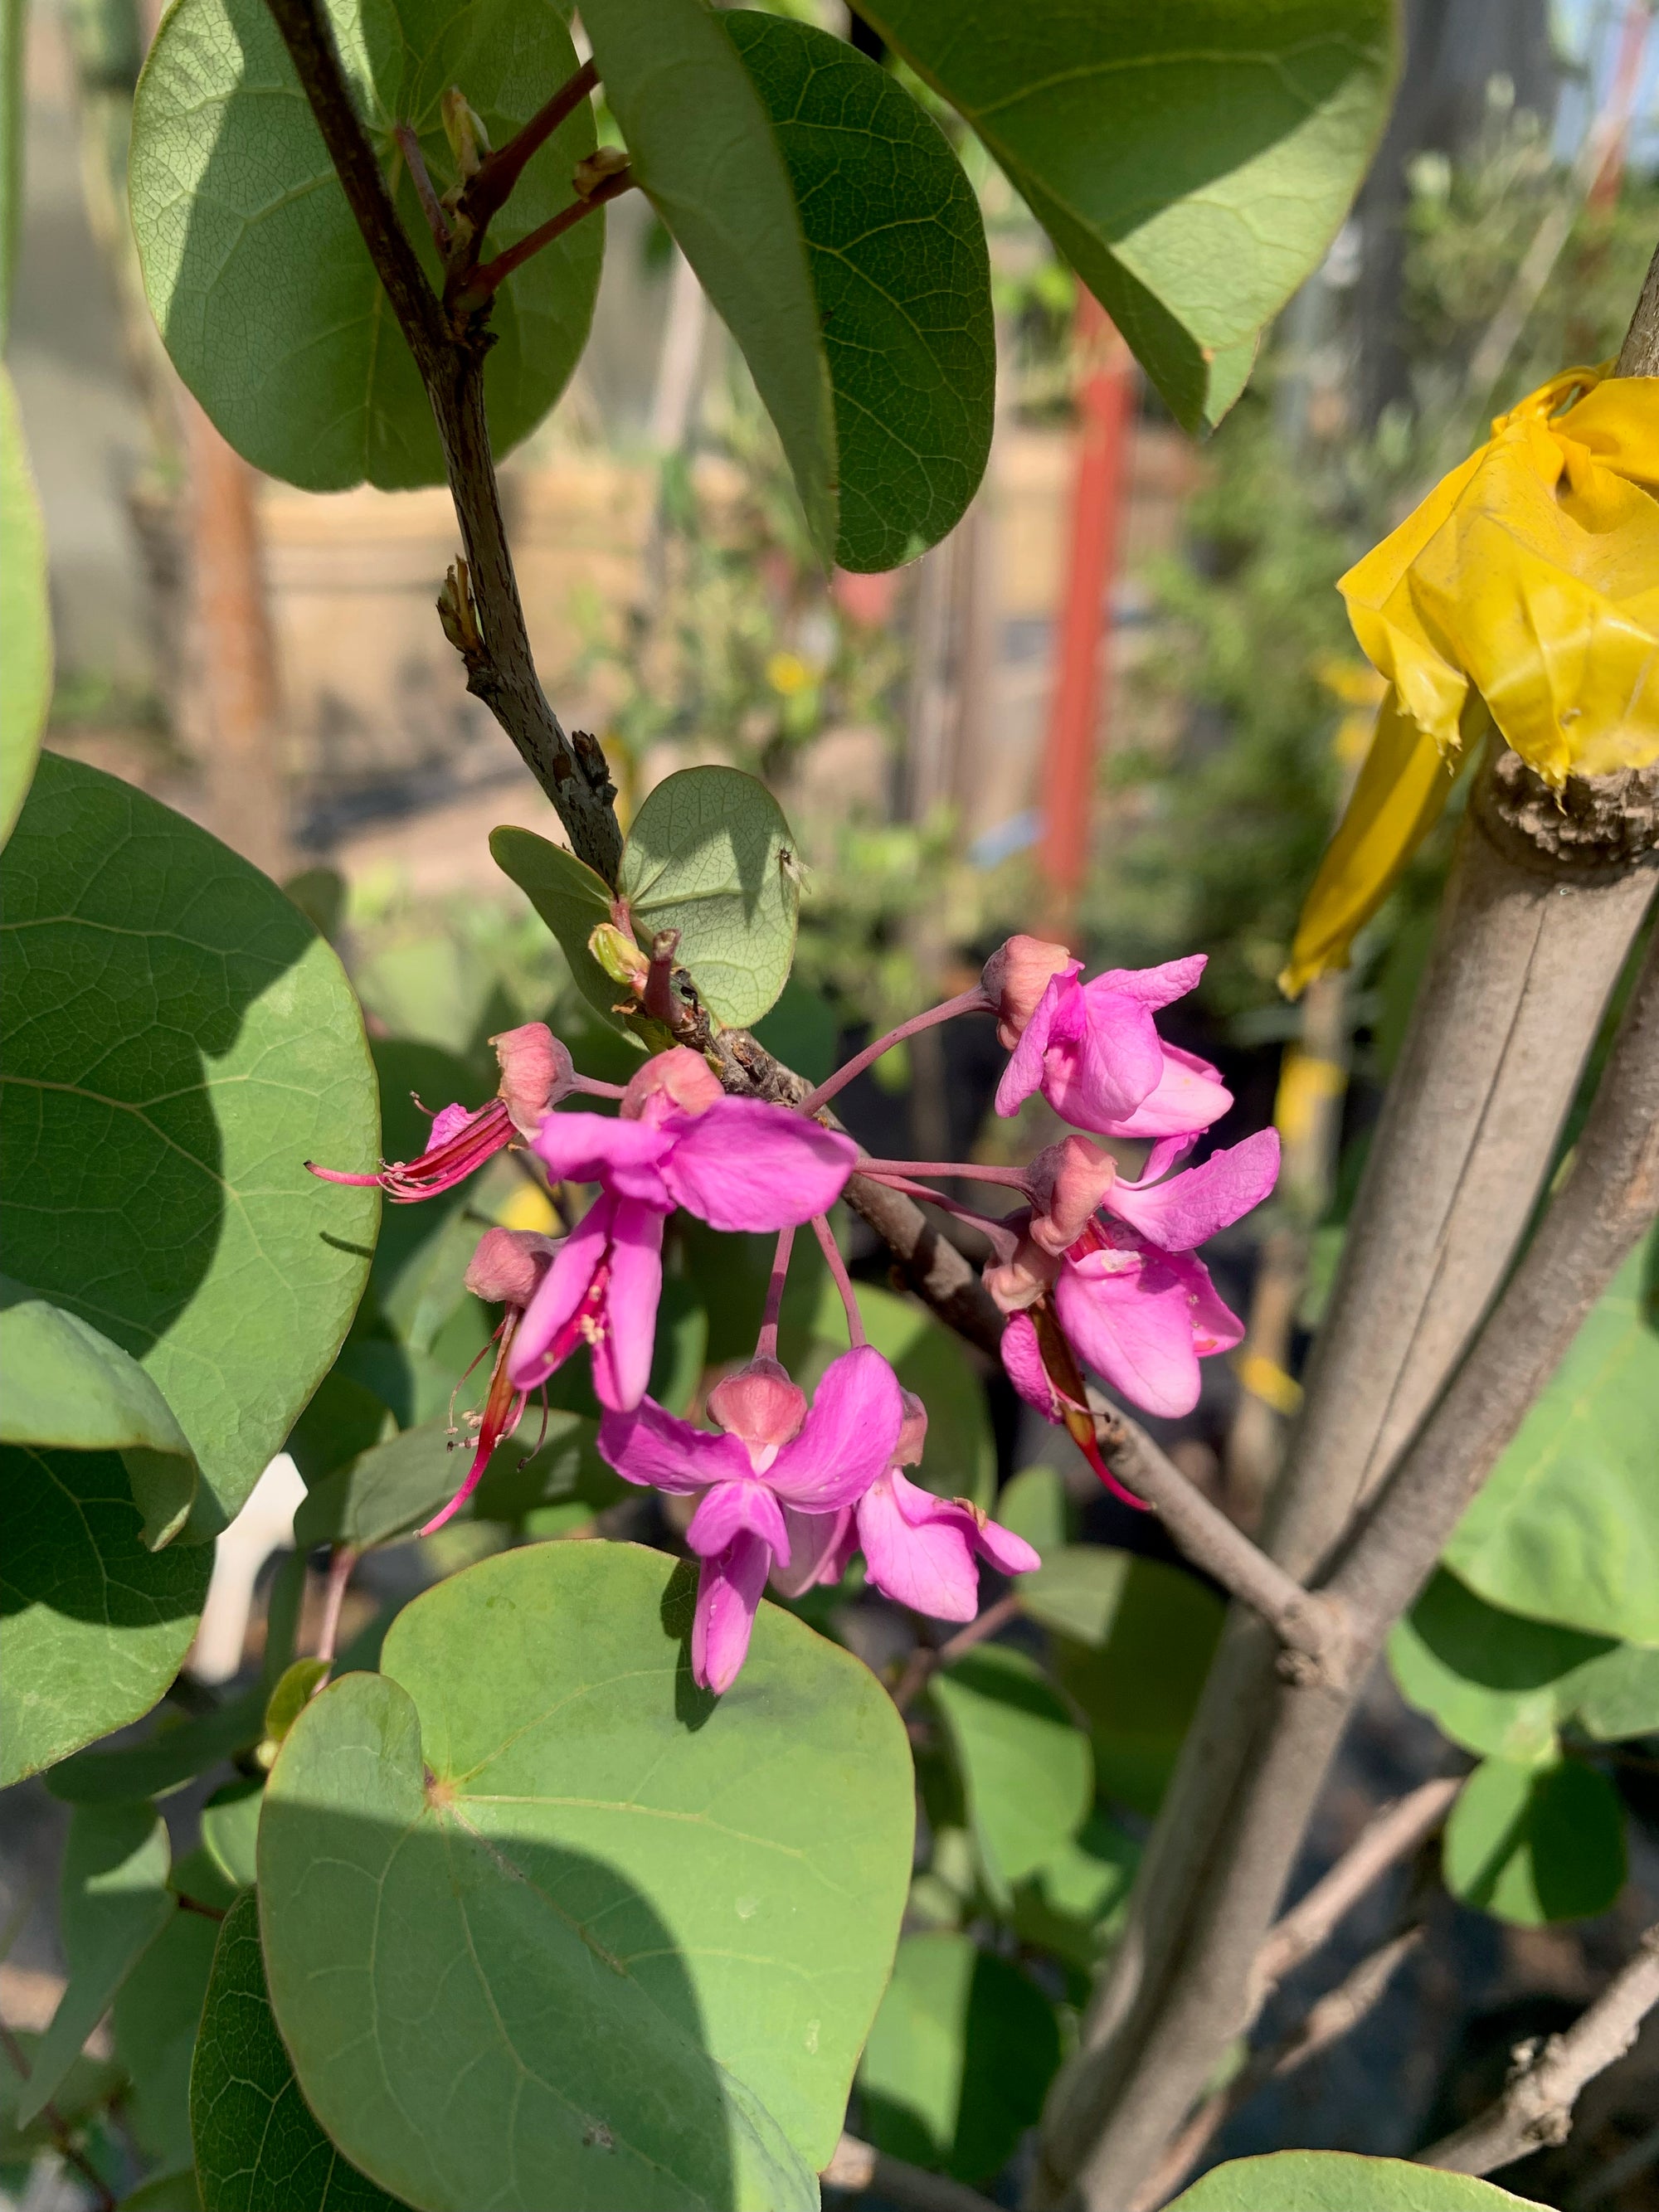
(1536,2107)
(857,2167)
(926,1661)
(1639,355)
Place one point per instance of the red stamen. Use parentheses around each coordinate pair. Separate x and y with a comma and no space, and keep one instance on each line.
(502,1408)
(484,1133)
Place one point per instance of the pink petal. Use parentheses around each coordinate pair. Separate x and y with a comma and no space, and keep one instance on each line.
(561,1290)
(745,1165)
(759,1403)
(1189,1095)
(1008,1553)
(1117,1063)
(730,1508)
(449,1121)
(849,1435)
(1134,1328)
(1168,1153)
(728,1591)
(626,1156)
(651,1447)
(821,1547)
(1154,987)
(1189,1208)
(621,1356)
(1021,1357)
(1024,1070)
(1216,1326)
(926,1562)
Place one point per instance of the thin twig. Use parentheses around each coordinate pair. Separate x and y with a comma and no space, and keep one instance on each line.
(342,1559)
(482,285)
(926,1661)
(59,2127)
(415,161)
(487,188)
(858,2167)
(1536,2107)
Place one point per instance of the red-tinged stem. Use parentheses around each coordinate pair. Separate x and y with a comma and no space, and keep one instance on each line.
(341,1560)
(436,222)
(590,1087)
(485,281)
(766,1345)
(843,1281)
(498,172)
(966,1171)
(1001,1236)
(970,1002)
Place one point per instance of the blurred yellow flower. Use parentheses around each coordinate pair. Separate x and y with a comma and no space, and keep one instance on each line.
(787,673)
(1525,588)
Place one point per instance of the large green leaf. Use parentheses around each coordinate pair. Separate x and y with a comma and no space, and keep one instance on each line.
(257,273)
(570,898)
(1192,161)
(1532,1843)
(67,1385)
(24,615)
(627,1937)
(1504,1686)
(1139,1671)
(1566,1527)
(154,2027)
(114,1902)
(96,1627)
(710,855)
(257,2149)
(896,252)
(1025,1767)
(702,147)
(1339,2181)
(962,2052)
(178,1041)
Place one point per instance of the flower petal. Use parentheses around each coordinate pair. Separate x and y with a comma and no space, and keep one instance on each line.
(651,1447)
(1154,987)
(1021,1357)
(728,1591)
(745,1165)
(1189,1208)
(728,1510)
(1118,1064)
(821,1547)
(561,1291)
(918,1558)
(1188,1096)
(621,1355)
(1008,1553)
(1024,1070)
(1216,1326)
(1134,1328)
(624,1155)
(849,1437)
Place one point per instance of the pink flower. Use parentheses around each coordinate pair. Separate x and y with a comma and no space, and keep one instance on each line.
(536,1075)
(504,1271)
(922,1550)
(1134,1300)
(1016,976)
(679,1140)
(1094,1052)
(774,1458)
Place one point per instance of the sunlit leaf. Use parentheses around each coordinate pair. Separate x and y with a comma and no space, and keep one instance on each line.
(1339,2181)
(1025,1766)
(1534,1844)
(25,616)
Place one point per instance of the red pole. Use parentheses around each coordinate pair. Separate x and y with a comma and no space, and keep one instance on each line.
(1105,400)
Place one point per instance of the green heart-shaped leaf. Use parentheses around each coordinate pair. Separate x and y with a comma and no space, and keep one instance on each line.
(627,1937)
(1340,2181)
(1192,161)
(178,1041)
(1532,1843)
(97,1625)
(25,614)
(257,274)
(1566,1526)
(570,899)
(898,261)
(257,2144)
(1025,1765)
(710,855)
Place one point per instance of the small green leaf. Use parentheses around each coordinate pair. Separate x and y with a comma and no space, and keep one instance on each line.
(1504,1686)
(570,899)
(1025,1766)
(898,260)
(1141,1686)
(295,1688)
(1340,2181)
(178,1041)
(1033,1504)
(1566,1526)
(173,1756)
(98,1626)
(660,1922)
(1074,1902)
(257,2146)
(710,855)
(154,2027)
(1076,1591)
(1531,1843)
(1192,163)
(230,1829)
(961,2052)
(702,146)
(256,271)
(114,1902)
(25,614)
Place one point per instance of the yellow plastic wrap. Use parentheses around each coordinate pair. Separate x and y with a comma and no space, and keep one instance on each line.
(1527,582)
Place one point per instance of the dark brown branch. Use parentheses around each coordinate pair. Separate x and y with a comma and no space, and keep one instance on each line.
(501,670)
(857,2167)
(1536,2107)
(487,188)
(481,286)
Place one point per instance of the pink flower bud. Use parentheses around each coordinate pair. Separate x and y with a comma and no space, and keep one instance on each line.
(537,1073)
(508,1264)
(759,1404)
(1018,1283)
(913,1436)
(679,1080)
(1016,976)
(1067,1182)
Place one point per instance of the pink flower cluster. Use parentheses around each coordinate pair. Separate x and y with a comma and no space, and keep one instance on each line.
(787,1492)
